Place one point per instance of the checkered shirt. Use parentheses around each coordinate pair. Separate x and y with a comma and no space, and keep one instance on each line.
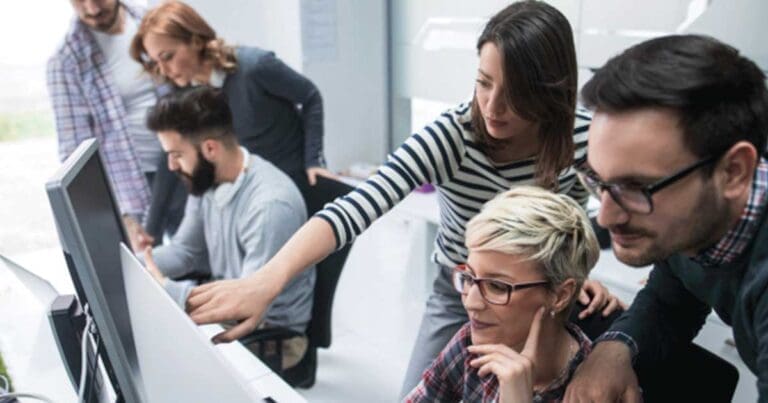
(450,378)
(736,240)
(87,104)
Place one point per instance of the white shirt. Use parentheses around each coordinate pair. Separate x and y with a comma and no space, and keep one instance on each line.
(136,90)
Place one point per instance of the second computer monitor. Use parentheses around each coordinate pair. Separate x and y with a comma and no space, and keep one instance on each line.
(90,230)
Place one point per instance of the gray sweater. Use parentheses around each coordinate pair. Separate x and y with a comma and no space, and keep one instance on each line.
(240,226)
(277,112)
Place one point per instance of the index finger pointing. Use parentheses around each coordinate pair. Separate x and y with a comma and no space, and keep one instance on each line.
(532,342)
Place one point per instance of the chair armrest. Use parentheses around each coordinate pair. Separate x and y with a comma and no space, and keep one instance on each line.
(270,333)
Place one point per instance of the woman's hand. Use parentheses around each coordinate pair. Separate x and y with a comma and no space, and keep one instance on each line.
(515,371)
(596,297)
(314,172)
(245,300)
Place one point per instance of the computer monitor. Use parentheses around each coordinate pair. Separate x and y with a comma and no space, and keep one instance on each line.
(200,371)
(90,230)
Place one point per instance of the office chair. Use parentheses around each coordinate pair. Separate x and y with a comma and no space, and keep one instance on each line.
(319,328)
(593,325)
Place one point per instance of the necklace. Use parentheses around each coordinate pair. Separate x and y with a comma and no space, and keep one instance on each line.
(573,349)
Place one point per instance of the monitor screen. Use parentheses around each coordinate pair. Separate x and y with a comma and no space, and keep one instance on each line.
(90,230)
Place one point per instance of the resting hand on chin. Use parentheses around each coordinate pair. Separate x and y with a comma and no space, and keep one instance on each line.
(515,371)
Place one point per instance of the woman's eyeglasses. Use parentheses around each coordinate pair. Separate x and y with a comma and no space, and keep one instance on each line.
(493,291)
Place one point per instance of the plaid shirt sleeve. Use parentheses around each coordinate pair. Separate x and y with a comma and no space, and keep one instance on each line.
(73,118)
(443,381)
(75,122)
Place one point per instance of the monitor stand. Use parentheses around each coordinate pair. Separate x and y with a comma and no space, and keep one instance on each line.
(68,322)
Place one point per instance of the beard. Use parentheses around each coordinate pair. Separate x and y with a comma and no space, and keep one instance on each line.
(106,26)
(689,235)
(202,177)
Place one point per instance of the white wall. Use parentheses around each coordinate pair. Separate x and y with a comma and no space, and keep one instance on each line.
(434,54)
(434,45)
(354,84)
(272,25)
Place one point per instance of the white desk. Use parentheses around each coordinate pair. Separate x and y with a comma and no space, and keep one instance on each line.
(32,357)
(256,373)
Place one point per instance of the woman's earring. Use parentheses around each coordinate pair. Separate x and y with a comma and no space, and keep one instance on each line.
(552,313)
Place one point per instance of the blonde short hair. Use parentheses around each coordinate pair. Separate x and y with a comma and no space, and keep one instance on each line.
(546,227)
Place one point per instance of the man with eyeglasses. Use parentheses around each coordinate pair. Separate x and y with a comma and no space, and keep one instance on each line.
(675,158)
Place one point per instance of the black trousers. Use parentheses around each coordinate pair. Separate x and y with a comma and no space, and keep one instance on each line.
(166,209)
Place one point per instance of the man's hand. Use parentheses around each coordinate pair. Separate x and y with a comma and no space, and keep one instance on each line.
(515,371)
(244,300)
(314,172)
(152,268)
(139,238)
(605,376)
(596,297)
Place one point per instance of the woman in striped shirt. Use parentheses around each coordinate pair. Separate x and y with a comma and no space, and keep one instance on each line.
(518,129)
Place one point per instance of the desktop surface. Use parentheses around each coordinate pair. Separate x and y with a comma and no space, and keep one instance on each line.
(177,360)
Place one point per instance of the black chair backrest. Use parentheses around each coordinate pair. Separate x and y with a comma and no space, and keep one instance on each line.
(329,269)
(593,325)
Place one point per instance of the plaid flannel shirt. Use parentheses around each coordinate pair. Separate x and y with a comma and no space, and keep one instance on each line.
(736,240)
(450,378)
(87,104)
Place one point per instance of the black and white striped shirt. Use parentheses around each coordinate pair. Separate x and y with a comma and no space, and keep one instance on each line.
(446,154)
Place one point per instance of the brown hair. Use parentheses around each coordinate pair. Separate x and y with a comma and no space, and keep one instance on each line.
(181,22)
(540,80)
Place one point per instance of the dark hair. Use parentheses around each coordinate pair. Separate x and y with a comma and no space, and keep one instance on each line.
(719,95)
(197,113)
(540,79)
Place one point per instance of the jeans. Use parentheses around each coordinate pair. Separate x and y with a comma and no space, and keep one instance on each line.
(443,317)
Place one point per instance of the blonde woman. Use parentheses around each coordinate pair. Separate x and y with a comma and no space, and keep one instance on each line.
(530,251)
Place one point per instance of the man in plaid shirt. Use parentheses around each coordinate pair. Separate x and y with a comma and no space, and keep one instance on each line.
(98,92)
